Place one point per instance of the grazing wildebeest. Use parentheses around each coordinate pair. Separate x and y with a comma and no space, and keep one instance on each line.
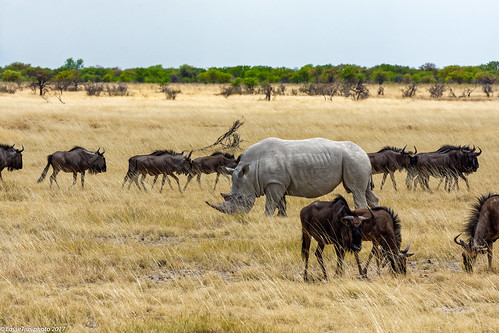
(10,158)
(447,162)
(160,162)
(482,228)
(76,160)
(383,230)
(216,162)
(331,222)
(305,168)
(390,159)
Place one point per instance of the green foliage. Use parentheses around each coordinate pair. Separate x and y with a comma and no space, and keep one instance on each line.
(11,76)
(214,76)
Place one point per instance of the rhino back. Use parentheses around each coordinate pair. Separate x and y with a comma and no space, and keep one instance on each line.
(306,168)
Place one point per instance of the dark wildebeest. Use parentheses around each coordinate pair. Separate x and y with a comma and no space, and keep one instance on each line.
(331,222)
(10,158)
(76,160)
(390,159)
(447,162)
(160,162)
(217,162)
(384,231)
(482,229)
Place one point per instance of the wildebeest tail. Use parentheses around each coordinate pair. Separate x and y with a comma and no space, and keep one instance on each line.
(44,172)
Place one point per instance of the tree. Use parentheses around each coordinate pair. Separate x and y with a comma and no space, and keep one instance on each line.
(41,78)
(11,76)
(70,64)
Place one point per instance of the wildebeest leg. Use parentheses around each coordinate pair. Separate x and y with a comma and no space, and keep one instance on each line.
(393,180)
(318,255)
(305,248)
(198,179)
(440,183)
(178,183)
(359,266)
(425,183)
(364,271)
(165,177)
(142,181)
(124,181)
(154,181)
(216,180)
(281,207)
(53,178)
(489,255)
(83,179)
(408,179)
(465,179)
(340,254)
(274,193)
(135,180)
(383,180)
(189,178)
(75,174)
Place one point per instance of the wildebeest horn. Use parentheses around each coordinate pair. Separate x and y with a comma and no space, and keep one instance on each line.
(403,149)
(372,214)
(478,154)
(98,151)
(407,248)
(22,149)
(103,150)
(189,157)
(461,243)
(415,150)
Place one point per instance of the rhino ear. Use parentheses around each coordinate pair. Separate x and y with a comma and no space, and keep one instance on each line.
(243,171)
(230,170)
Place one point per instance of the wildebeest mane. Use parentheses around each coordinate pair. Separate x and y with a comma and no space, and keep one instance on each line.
(395,149)
(4,146)
(76,147)
(341,199)
(226,155)
(448,148)
(163,152)
(396,222)
(471,224)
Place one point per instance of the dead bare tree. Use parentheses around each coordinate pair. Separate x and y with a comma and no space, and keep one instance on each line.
(437,90)
(451,92)
(381,90)
(467,92)
(359,91)
(230,140)
(487,89)
(410,90)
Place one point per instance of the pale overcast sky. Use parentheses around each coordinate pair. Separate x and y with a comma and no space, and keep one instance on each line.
(215,33)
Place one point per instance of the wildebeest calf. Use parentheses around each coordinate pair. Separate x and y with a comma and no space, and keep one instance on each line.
(383,230)
(390,159)
(331,222)
(482,228)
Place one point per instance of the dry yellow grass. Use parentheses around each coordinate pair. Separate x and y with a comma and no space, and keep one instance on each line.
(104,259)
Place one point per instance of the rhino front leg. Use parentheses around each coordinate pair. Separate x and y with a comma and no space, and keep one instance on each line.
(275,196)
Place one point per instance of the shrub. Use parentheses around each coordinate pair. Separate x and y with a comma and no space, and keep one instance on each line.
(437,90)
(8,88)
(94,88)
(120,89)
(169,92)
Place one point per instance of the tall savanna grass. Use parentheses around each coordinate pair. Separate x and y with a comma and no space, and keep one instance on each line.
(111,259)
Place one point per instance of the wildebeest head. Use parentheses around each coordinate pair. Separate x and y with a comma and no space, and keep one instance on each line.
(469,254)
(14,158)
(185,166)
(352,234)
(399,264)
(97,162)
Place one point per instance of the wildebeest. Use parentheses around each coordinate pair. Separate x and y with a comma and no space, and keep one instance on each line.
(331,222)
(10,158)
(482,230)
(77,160)
(160,162)
(383,230)
(390,159)
(305,168)
(448,162)
(215,163)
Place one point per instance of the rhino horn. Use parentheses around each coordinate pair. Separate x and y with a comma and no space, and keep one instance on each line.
(220,207)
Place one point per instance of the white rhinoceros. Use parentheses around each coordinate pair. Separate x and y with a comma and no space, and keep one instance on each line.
(304,168)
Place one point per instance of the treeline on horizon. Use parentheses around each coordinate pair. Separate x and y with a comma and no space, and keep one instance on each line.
(250,76)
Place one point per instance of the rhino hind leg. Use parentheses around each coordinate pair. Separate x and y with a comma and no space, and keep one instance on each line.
(371,198)
(274,199)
